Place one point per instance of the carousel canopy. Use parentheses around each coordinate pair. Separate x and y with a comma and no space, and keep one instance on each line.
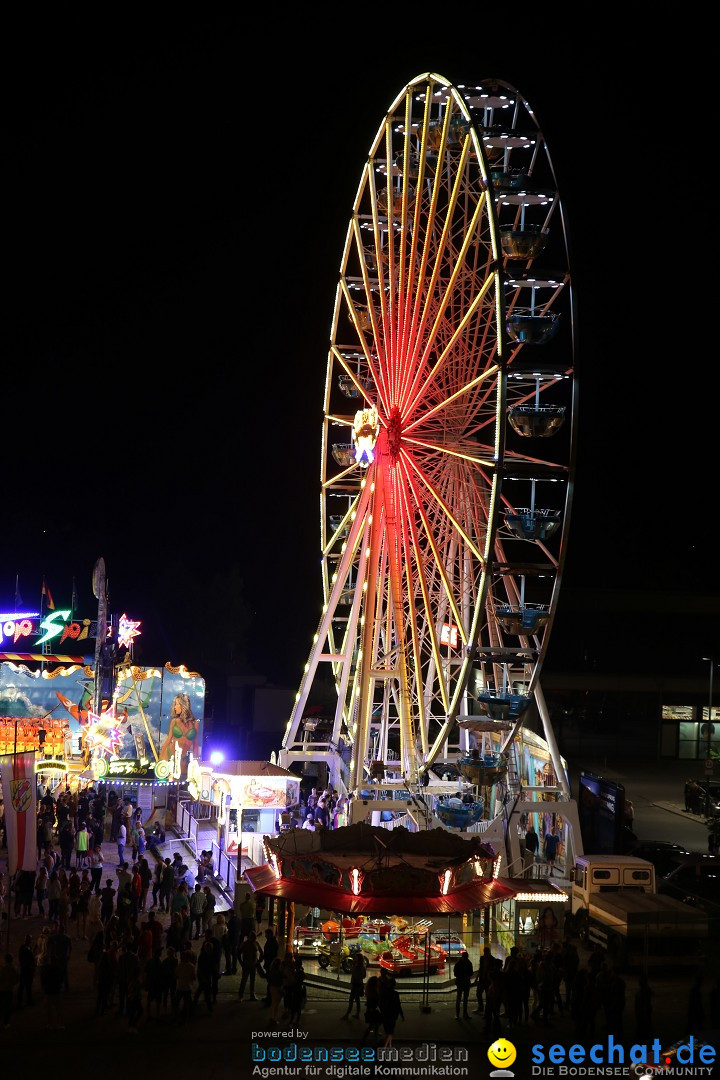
(262,880)
(365,870)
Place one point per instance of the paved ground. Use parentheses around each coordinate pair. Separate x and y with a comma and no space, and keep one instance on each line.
(220,1045)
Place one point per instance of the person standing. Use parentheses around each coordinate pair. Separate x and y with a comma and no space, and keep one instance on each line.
(185,978)
(249,954)
(146,878)
(390,1006)
(95,860)
(463,972)
(230,942)
(60,949)
(67,843)
(217,961)
(270,952)
(82,846)
(372,1009)
(156,882)
(483,977)
(357,986)
(197,906)
(299,992)
(169,981)
(121,841)
(41,889)
(246,911)
(107,901)
(209,909)
(321,813)
(532,846)
(550,849)
(167,883)
(27,962)
(205,969)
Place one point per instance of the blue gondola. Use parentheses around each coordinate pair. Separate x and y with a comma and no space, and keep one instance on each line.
(459,815)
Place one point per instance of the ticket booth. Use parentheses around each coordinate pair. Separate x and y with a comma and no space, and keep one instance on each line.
(534,916)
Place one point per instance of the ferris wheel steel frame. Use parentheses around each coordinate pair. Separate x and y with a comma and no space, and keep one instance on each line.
(449,347)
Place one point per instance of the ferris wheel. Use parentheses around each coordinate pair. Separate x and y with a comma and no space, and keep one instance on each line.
(448,438)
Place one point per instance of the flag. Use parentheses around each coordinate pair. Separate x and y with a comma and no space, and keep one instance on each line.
(20,799)
(18,597)
(47,595)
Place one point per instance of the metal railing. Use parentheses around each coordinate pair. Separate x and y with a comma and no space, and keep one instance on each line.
(225,874)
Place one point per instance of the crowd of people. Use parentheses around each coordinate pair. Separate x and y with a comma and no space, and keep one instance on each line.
(155,943)
(316,810)
(548,982)
(157,946)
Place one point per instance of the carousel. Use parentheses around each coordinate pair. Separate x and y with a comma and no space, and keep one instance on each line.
(360,873)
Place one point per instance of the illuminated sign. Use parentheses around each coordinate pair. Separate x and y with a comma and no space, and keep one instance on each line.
(127,631)
(449,635)
(130,768)
(28,624)
(53,625)
(263,792)
(162,770)
(136,767)
(51,763)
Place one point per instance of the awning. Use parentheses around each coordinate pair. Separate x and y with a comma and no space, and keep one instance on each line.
(481,894)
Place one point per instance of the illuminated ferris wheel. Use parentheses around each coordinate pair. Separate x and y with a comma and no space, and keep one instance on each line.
(448,437)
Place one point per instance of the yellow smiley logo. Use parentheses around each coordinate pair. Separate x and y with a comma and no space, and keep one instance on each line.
(502,1053)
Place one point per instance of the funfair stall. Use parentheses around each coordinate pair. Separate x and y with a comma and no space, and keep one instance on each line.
(245,799)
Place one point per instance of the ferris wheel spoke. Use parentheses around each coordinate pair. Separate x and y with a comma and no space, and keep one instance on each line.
(414,468)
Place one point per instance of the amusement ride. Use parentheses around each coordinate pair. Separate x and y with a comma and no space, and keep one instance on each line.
(447,459)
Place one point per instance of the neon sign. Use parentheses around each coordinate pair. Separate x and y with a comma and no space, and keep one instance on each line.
(26,624)
(127,631)
(14,627)
(53,625)
(132,767)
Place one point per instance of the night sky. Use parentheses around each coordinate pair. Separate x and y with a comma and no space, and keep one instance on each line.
(177,197)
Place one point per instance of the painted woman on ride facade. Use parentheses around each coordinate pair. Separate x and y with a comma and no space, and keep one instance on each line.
(183,731)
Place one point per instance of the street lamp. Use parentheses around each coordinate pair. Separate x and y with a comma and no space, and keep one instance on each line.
(711,661)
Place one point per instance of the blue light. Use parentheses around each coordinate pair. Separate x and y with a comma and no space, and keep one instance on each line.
(216,757)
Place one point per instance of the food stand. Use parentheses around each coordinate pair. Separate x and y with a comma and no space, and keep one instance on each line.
(245,799)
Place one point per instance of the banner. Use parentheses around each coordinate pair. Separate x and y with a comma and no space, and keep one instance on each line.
(19,797)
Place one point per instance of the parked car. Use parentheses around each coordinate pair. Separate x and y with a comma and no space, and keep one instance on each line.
(661,853)
(712,788)
(694,878)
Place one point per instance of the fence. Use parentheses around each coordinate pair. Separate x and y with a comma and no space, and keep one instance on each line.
(197,839)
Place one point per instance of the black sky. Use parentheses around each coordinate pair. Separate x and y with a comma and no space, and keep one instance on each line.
(177,199)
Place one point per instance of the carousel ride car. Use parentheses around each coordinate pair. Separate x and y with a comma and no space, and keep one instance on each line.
(414,953)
